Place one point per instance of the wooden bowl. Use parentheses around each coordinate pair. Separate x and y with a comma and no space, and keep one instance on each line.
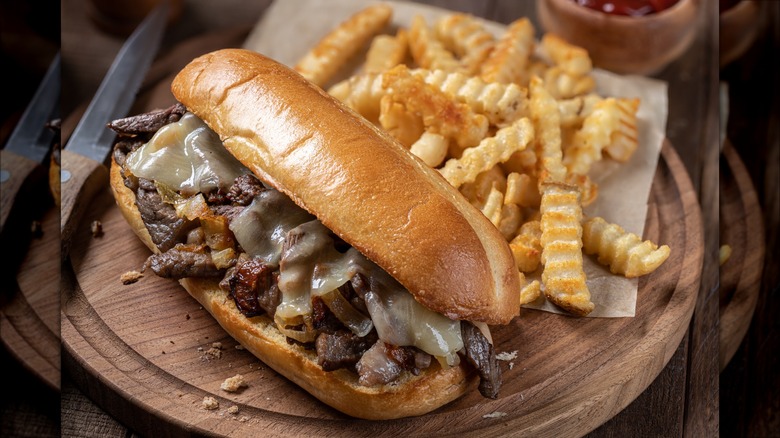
(738,29)
(622,44)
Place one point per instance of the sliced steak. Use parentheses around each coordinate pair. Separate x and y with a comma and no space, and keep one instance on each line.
(383,363)
(244,189)
(181,263)
(165,227)
(341,349)
(482,356)
(147,123)
(229,211)
(322,318)
(253,286)
(376,367)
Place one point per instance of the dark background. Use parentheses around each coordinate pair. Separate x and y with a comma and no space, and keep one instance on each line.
(750,383)
(29,39)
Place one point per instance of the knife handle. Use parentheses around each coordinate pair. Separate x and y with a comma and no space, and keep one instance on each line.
(81,178)
(14,171)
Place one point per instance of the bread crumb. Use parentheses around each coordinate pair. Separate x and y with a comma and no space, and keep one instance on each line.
(507,356)
(233,384)
(200,348)
(511,365)
(97,228)
(495,415)
(217,345)
(214,353)
(210,403)
(243,419)
(233,410)
(130,277)
(239,347)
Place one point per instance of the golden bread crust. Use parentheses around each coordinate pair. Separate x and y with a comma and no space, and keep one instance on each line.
(355,178)
(410,396)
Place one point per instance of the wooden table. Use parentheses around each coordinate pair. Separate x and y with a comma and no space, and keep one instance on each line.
(684,399)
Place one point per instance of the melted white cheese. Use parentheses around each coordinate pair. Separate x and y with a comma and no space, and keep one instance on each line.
(186,156)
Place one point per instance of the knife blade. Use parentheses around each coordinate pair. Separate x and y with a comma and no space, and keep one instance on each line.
(30,142)
(83,171)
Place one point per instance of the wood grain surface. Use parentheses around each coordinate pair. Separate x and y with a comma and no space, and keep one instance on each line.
(30,319)
(742,229)
(143,347)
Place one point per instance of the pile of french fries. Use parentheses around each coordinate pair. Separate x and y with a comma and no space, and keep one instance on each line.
(514,127)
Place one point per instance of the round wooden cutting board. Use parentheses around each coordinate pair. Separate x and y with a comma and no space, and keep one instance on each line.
(30,319)
(141,351)
(742,228)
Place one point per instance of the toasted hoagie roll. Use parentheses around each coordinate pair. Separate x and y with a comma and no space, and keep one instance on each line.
(317,241)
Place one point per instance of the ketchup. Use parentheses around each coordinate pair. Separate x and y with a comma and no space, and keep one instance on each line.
(632,8)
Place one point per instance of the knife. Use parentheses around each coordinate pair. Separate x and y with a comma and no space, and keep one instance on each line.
(30,142)
(83,172)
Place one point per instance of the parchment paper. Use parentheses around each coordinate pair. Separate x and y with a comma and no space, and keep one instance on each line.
(291,27)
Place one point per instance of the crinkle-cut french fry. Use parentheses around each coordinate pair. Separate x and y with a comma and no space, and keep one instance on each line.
(509,57)
(363,93)
(535,67)
(523,190)
(574,110)
(386,51)
(465,36)
(530,292)
(501,103)
(593,137)
(396,120)
(492,208)
(488,153)
(569,76)
(562,85)
(573,60)
(324,60)
(526,246)
(563,276)
(431,148)
(589,190)
(511,217)
(440,113)
(625,253)
(625,139)
(522,162)
(477,191)
(544,112)
(426,50)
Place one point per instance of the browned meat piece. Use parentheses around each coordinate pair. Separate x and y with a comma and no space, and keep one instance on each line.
(180,263)
(229,211)
(253,286)
(244,189)
(165,227)
(384,363)
(322,318)
(342,349)
(482,356)
(148,123)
